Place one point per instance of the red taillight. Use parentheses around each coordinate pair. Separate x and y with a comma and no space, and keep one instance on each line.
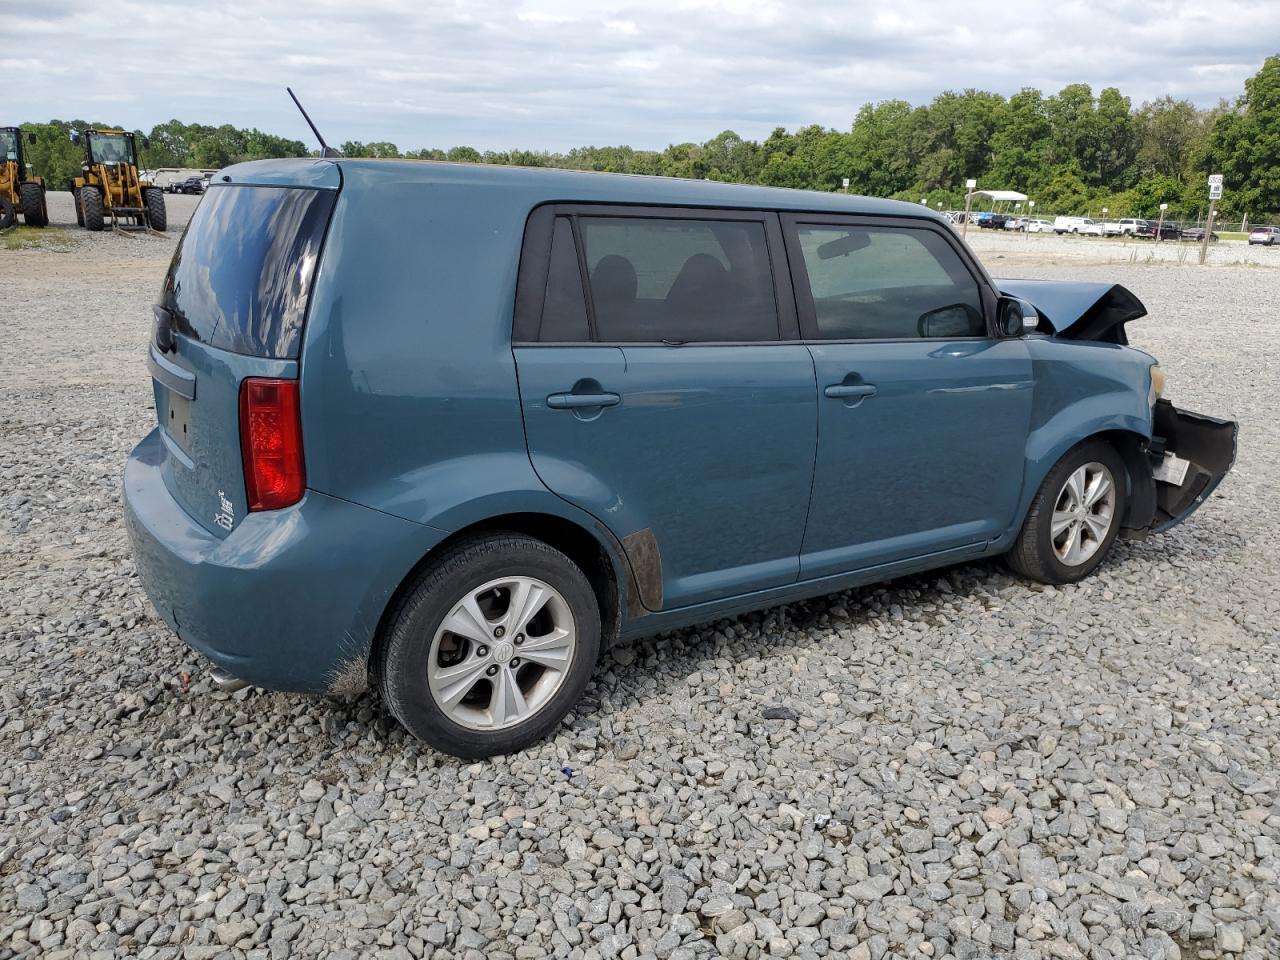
(271,442)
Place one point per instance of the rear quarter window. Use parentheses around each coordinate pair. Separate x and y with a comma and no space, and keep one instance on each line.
(241,278)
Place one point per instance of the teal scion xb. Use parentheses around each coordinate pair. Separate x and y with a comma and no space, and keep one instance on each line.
(452,429)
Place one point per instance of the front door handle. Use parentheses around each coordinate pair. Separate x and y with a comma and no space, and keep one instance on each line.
(848,391)
(580,401)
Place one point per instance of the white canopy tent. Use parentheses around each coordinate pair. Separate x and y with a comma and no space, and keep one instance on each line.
(1002,196)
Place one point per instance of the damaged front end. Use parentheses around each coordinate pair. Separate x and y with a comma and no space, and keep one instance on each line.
(1078,310)
(1189,455)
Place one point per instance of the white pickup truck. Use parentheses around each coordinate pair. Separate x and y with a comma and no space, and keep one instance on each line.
(1129,227)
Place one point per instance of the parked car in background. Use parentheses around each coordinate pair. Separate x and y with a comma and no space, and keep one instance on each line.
(1264,236)
(1015,223)
(1070,224)
(1039,225)
(1128,227)
(993,221)
(1091,229)
(610,407)
(189,185)
(1197,234)
(1166,230)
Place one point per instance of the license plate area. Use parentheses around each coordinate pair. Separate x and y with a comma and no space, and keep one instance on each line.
(1172,469)
(177,420)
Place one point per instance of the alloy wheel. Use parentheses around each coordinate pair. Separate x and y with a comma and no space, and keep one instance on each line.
(1083,514)
(501,653)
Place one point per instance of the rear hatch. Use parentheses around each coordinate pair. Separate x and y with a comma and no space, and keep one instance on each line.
(233,306)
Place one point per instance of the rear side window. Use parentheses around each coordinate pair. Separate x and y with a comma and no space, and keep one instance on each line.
(873,283)
(680,280)
(241,277)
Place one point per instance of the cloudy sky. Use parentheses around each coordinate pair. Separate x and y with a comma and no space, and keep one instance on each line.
(553,74)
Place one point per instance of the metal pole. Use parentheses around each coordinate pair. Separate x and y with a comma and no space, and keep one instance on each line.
(968,205)
(1208,232)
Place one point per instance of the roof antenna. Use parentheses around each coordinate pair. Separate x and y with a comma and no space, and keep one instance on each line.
(325,149)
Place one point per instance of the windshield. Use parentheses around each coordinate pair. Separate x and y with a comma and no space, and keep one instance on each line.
(8,145)
(110,148)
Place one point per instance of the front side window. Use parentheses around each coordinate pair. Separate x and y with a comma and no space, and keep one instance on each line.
(8,145)
(676,280)
(886,283)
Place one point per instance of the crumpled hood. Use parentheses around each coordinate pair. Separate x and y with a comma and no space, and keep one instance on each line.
(1077,310)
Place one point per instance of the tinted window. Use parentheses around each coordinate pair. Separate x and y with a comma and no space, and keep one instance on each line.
(564,308)
(885,283)
(241,277)
(681,280)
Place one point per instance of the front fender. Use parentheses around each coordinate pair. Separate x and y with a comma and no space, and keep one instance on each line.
(1082,389)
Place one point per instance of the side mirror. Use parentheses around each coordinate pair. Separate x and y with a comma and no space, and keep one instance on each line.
(31,137)
(1015,316)
(146,143)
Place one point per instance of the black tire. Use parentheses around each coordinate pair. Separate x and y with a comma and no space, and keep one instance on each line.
(157,215)
(400,657)
(33,208)
(91,208)
(1033,554)
(75,202)
(8,215)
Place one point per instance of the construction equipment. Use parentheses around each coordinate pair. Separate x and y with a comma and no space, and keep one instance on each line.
(109,187)
(19,192)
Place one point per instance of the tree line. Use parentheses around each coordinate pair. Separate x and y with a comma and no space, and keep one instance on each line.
(1072,152)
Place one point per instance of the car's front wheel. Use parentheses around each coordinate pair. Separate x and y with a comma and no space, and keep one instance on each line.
(1075,516)
(491,647)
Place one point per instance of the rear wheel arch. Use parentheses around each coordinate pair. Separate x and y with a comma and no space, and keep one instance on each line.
(603,568)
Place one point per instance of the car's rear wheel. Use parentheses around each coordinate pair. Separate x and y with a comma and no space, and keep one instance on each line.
(1075,516)
(491,647)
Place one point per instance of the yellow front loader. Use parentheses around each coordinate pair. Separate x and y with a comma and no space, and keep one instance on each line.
(109,188)
(19,192)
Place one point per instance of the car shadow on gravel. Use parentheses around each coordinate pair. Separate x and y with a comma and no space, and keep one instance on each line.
(634,673)
(627,676)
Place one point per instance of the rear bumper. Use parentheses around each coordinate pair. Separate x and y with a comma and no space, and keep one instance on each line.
(290,600)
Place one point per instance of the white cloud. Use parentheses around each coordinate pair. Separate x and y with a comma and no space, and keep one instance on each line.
(555,74)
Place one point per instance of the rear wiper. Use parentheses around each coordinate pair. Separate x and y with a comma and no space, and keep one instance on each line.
(673,343)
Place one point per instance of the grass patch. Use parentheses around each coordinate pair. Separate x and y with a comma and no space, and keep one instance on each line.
(1231,235)
(34,238)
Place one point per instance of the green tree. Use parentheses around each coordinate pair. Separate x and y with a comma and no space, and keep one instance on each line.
(1169,133)
(1115,139)
(1021,145)
(881,150)
(1245,144)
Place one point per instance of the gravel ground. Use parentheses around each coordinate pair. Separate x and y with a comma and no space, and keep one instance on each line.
(953,765)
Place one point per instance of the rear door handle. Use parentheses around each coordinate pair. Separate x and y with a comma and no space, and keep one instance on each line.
(580,401)
(850,390)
